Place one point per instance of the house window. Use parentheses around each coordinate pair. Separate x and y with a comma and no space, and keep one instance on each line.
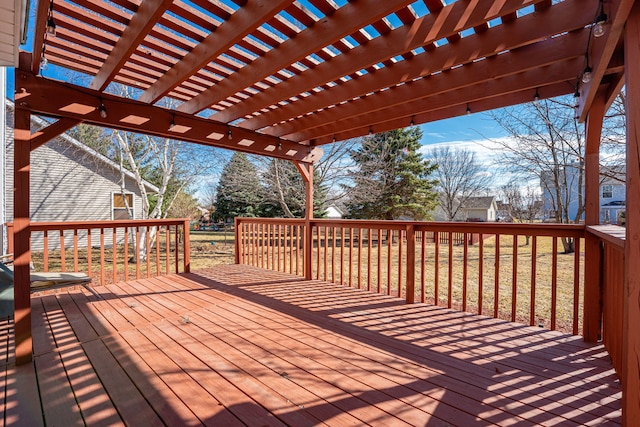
(120,210)
(607,191)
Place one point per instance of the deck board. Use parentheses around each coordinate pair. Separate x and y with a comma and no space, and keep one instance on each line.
(237,345)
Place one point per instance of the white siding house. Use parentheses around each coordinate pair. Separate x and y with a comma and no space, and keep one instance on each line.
(70,182)
(483,209)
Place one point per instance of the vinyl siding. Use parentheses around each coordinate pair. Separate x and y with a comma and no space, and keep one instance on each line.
(67,184)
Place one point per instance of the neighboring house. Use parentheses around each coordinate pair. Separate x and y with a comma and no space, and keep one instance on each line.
(483,209)
(71,182)
(333,212)
(612,195)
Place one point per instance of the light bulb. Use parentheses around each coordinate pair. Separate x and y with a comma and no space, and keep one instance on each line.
(103,111)
(599,29)
(586,75)
(229,134)
(51,27)
(44,63)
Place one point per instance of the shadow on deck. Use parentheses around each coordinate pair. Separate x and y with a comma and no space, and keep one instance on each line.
(237,345)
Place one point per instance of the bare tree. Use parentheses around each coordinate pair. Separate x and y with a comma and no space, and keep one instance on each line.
(459,176)
(547,142)
(522,204)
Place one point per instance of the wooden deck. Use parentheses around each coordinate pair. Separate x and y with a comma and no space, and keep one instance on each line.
(237,345)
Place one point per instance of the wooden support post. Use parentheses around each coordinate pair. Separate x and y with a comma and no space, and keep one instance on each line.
(187,247)
(631,295)
(237,240)
(592,323)
(21,236)
(306,170)
(411,264)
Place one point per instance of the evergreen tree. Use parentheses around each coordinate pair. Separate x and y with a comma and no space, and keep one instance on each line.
(391,180)
(239,190)
(284,191)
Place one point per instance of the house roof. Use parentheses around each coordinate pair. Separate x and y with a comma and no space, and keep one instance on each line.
(283,77)
(479,202)
(41,123)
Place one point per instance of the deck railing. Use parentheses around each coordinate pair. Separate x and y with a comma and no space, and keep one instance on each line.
(518,272)
(611,253)
(110,251)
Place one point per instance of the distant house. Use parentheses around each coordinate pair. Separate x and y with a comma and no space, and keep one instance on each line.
(484,209)
(474,209)
(612,195)
(333,212)
(70,182)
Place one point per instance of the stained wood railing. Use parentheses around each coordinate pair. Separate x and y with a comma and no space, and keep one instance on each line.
(110,251)
(611,247)
(518,272)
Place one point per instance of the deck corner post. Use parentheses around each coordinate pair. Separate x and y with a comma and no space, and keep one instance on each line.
(21,237)
(593,308)
(411,264)
(631,294)
(306,171)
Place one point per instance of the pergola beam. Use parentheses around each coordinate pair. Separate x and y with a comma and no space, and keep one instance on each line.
(42,136)
(428,29)
(324,32)
(471,48)
(526,58)
(137,29)
(601,52)
(225,36)
(485,104)
(559,73)
(40,27)
(57,99)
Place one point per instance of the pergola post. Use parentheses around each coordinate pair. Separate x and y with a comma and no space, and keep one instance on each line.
(306,171)
(592,324)
(21,236)
(631,294)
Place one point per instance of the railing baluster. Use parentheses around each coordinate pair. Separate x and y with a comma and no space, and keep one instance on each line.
(45,254)
(465,236)
(480,273)
(379,249)
(450,278)
(326,250)
(436,268)
(157,250)
(63,263)
(423,243)
(102,275)
(167,249)
(534,264)
(514,278)
(147,243)
(89,252)
(554,282)
(360,258)
(496,287)
(350,257)
(137,249)
(342,255)
(369,248)
(176,250)
(389,245)
(333,254)
(75,249)
(114,259)
(318,231)
(126,254)
(576,285)
(400,239)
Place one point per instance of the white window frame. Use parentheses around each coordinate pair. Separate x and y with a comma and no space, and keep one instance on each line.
(610,192)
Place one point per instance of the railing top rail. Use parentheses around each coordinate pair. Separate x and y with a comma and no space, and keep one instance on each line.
(83,225)
(612,234)
(558,230)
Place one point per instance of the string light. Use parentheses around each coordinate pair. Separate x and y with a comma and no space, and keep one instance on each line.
(370,130)
(51,24)
(279,145)
(412,123)
(468,109)
(599,26)
(44,62)
(229,134)
(103,110)
(173,122)
(334,139)
(536,96)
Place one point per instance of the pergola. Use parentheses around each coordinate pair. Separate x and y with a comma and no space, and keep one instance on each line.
(282,78)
